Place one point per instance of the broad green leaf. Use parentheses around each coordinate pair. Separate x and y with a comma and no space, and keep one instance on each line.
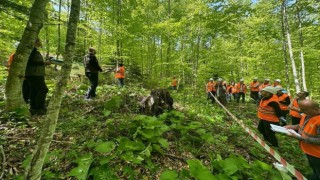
(264,166)
(164,143)
(147,133)
(106,113)
(105,147)
(198,171)
(158,149)
(81,171)
(169,175)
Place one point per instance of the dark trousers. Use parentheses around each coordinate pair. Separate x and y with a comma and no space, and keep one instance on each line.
(242,95)
(210,94)
(254,95)
(38,92)
(295,120)
(121,82)
(268,135)
(314,163)
(93,78)
(284,114)
(26,91)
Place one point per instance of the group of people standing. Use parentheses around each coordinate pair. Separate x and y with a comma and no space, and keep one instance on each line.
(92,68)
(34,88)
(274,105)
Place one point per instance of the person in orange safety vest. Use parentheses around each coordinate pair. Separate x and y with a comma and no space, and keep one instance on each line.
(284,102)
(120,74)
(269,112)
(211,89)
(174,83)
(254,90)
(295,112)
(277,83)
(309,129)
(241,91)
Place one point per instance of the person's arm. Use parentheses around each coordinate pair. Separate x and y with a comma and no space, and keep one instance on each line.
(95,63)
(286,101)
(291,107)
(276,107)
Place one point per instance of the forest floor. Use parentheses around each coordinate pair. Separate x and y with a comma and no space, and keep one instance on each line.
(108,138)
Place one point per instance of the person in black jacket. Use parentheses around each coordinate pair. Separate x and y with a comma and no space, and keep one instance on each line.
(92,69)
(34,76)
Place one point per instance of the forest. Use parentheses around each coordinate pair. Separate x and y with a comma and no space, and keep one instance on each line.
(118,134)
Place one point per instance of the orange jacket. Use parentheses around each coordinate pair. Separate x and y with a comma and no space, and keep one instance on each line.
(241,88)
(283,107)
(295,113)
(211,86)
(174,82)
(10,60)
(309,129)
(254,86)
(266,112)
(120,72)
(263,86)
(233,89)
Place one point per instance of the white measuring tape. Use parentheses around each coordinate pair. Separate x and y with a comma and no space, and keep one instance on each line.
(285,164)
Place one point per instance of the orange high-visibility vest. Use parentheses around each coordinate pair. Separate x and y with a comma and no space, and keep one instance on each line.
(307,130)
(10,60)
(211,86)
(263,86)
(282,98)
(120,72)
(266,112)
(174,82)
(295,113)
(241,88)
(254,86)
(233,89)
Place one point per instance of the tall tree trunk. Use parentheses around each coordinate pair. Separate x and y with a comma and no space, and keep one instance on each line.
(303,74)
(13,91)
(293,64)
(34,169)
(284,49)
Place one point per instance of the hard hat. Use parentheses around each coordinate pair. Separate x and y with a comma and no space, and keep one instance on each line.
(270,89)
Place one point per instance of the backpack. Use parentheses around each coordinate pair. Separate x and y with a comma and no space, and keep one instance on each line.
(86,61)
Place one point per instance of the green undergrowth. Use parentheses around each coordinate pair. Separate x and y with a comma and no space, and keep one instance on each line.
(107,138)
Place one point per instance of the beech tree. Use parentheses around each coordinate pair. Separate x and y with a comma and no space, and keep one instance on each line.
(34,168)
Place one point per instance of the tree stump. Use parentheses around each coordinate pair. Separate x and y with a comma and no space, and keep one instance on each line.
(157,102)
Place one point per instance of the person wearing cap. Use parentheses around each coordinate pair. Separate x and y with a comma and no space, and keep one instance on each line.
(269,112)
(120,74)
(277,83)
(211,89)
(221,92)
(254,90)
(309,129)
(241,91)
(284,102)
(34,75)
(92,68)
(295,112)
